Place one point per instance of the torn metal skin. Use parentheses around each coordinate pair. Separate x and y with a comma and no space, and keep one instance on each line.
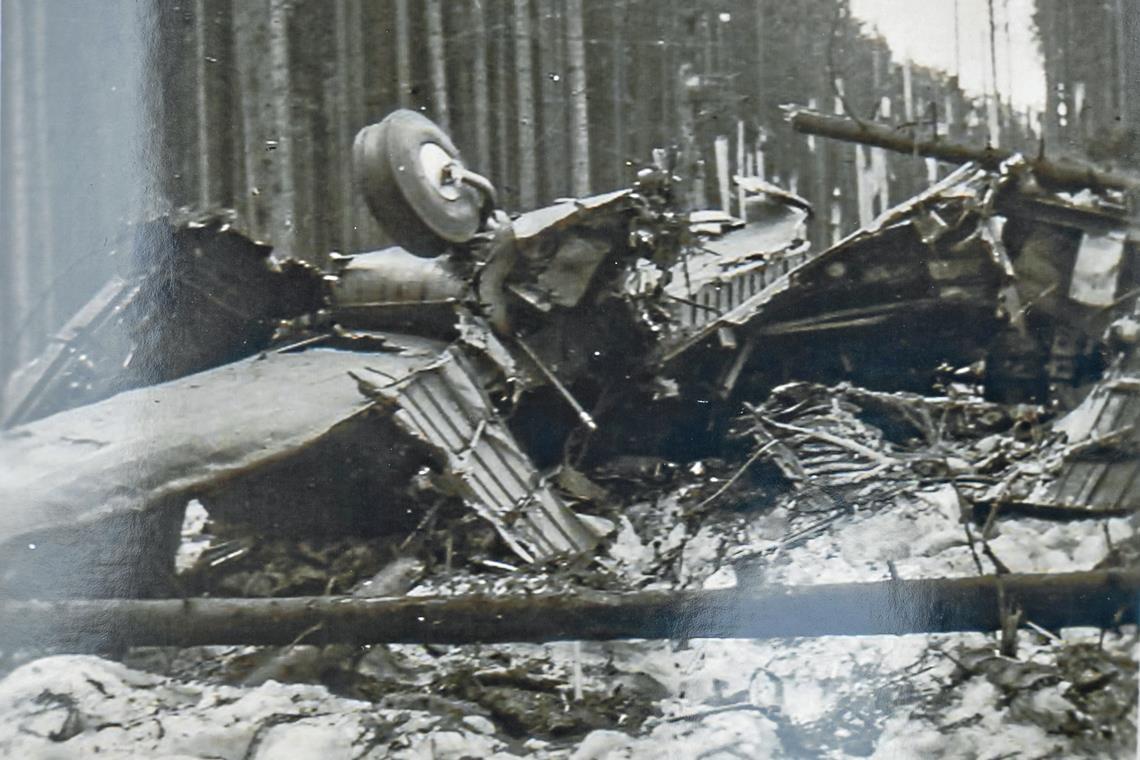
(194,293)
(968,272)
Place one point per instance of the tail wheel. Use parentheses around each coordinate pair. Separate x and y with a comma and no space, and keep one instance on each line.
(409,173)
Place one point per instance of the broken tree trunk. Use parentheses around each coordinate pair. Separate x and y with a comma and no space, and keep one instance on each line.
(1066,175)
(1054,601)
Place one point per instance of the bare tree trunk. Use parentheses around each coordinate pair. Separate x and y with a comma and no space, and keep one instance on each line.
(205,121)
(480,90)
(820,196)
(579,119)
(708,65)
(1120,38)
(691,164)
(993,53)
(343,120)
(47,253)
(552,143)
(504,145)
(358,72)
(245,30)
(234,184)
(283,228)
(437,62)
(1053,601)
(18,143)
(524,70)
(762,73)
(310,32)
(618,53)
(741,167)
(723,172)
(249,38)
(403,54)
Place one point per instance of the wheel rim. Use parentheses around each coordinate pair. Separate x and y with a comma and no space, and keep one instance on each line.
(433,160)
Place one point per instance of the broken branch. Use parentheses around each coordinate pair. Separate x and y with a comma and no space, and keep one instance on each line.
(851,446)
(736,475)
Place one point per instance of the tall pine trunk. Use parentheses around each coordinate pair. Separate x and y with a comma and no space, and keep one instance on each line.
(552,144)
(524,96)
(579,115)
(284,223)
(249,37)
(437,63)
(403,54)
(17,144)
(202,112)
(481,92)
(618,51)
(504,144)
(344,121)
(45,245)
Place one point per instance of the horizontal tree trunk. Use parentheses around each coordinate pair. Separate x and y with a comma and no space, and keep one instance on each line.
(1098,598)
(1045,511)
(1066,175)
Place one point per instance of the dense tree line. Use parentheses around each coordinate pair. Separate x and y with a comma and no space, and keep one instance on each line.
(548,97)
(1092,65)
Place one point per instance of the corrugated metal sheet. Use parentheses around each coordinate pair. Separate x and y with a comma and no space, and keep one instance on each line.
(445,406)
(1103,477)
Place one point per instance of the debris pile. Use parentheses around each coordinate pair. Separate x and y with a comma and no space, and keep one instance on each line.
(784,518)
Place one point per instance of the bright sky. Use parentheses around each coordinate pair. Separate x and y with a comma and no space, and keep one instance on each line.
(924,31)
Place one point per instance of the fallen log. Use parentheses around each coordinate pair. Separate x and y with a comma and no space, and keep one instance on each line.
(1098,598)
(1053,173)
(1044,511)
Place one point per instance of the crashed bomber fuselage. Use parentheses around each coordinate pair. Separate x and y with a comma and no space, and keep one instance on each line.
(551,305)
(556,318)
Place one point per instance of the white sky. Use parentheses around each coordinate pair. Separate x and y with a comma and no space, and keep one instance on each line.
(924,32)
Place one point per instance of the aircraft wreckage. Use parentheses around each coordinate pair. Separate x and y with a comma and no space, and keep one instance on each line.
(490,360)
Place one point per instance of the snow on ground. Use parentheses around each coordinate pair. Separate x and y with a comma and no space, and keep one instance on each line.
(81,706)
(948,696)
